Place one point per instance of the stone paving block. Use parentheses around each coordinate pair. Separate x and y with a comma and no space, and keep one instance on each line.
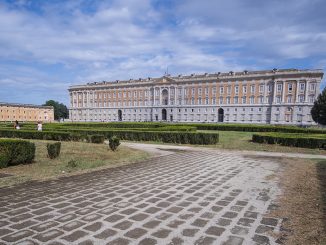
(42,211)
(44,226)
(152,224)
(25,242)
(216,208)
(119,241)
(252,215)
(148,241)
(129,211)
(135,233)
(14,237)
(269,221)
(245,221)
(241,203)
(75,236)
(105,234)
(205,241)
(91,217)
(87,242)
(263,240)
(223,222)
(164,216)
(5,232)
(200,222)
(189,232)
(238,230)
(174,209)
(230,215)
(215,231)
(48,235)
(263,229)
(114,218)
(3,223)
(94,227)
(21,217)
(208,215)
(45,217)
(72,225)
(139,217)
(152,210)
(175,223)
(161,233)
(176,241)
(163,204)
(234,240)
(85,211)
(236,208)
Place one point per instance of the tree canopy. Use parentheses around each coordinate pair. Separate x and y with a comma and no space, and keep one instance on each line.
(60,110)
(318,111)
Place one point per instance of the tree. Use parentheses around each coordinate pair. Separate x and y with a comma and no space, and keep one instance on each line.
(318,111)
(60,110)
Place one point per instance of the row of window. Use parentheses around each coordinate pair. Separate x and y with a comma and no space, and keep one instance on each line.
(207,90)
(205,101)
(192,110)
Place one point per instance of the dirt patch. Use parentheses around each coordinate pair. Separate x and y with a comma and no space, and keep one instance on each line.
(302,204)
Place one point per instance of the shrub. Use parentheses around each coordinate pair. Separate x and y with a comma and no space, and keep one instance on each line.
(296,140)
(96,138)
(114,142)
(72,164)
(53,149)
(13,152)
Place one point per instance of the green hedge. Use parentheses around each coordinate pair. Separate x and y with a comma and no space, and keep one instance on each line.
(80,135)
(286,139)
(257,128)
(96,138)
(13,152)
(152,126)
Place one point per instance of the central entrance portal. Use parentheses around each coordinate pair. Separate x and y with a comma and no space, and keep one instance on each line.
(119,115)
(163,114)
(220,115)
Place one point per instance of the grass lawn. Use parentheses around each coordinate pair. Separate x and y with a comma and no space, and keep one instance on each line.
(237,140)
(86,156)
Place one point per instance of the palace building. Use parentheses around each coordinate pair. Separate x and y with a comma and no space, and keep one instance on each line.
(268,97)
(10,112)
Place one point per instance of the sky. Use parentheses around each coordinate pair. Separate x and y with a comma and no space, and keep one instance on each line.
(48,45)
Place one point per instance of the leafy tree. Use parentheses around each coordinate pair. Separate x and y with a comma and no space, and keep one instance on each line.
(60,110)
(318,111)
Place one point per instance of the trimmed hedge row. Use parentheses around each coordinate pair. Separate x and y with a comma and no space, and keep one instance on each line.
(13,152)
(257,128)
(297,140)
(81,135)
(152,126)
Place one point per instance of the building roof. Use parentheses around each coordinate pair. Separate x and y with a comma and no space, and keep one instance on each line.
(25,105)
(206,76)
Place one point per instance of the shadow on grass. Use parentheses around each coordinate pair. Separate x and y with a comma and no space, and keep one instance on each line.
(321,173)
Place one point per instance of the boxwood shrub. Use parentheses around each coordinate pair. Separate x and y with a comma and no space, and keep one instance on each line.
(13,152)
(53,149)
(286,139)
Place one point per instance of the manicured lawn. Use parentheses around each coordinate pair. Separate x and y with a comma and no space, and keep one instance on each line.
(87,157)
(236,140)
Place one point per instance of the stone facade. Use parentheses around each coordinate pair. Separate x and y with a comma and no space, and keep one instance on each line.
(25,113)
(267,97)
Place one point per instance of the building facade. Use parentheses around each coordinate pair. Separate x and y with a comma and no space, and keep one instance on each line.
(268,97)
(25,113)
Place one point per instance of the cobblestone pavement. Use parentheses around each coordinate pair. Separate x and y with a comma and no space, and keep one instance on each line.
(183,198)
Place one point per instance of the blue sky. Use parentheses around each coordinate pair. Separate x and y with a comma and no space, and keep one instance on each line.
(46,46)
